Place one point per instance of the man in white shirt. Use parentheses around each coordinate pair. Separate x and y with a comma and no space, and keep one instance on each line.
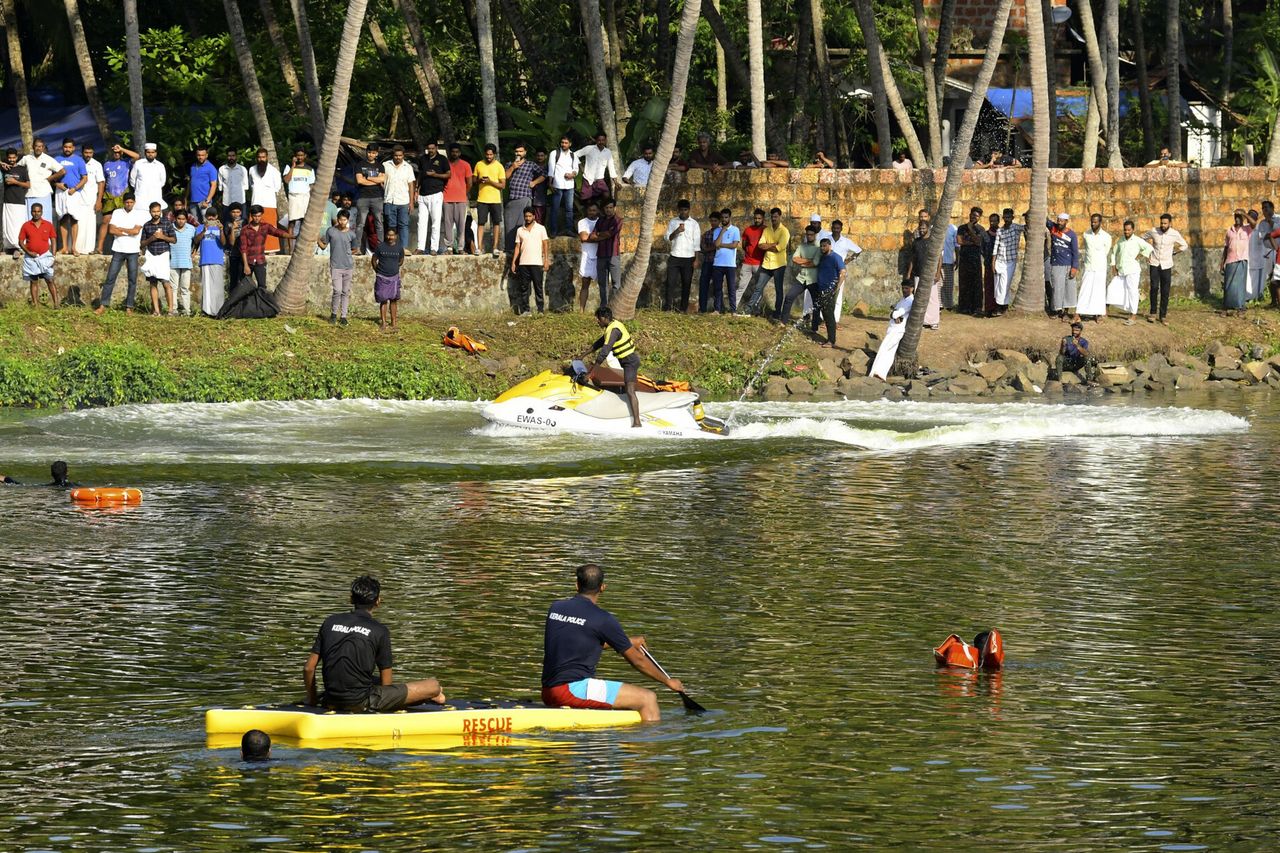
(148,178)
(1004,257)
(42,172)
(529,263)
(1166,242)
(590,251)
(233,180)
(265,183)
(399,188)
(125,227)
(599,170)
(562,168)
(684,236)
(298,178)
(94,188)
(637,173)
(1095,252)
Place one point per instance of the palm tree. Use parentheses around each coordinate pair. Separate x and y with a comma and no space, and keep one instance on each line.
(1097,83)
(488,78)
(593,31)
(425,70)
(877,78)
(18,74)
(624,304)
(1111,36)
(85,61)
(133,58)
(296,284)
(1173,87)
(723,46)
(825,86)
(285,57)
(930,90)
(1051,76)
(904,363)
(1030,296)
(244,59)
(383,50)
(310,76)
(613,55)
(755,54)
(1144,84)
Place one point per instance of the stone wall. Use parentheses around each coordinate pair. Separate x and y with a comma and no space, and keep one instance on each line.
(878,208)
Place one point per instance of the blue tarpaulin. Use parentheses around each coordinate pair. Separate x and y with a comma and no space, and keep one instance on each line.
(53,124)
(1016,103)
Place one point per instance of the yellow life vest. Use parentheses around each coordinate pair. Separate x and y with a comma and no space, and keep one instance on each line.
(625,346)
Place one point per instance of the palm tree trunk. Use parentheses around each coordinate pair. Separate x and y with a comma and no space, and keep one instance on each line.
(662,45)
(1051,75)
(285,57)
(291,293)
(133,59)
(488,77)
(85,60)
(801,77)
(393,75)
(1273,149)
(722,87)
(18,74)
(931,104)
(737,68)
(244,58)
(1097,80)
(624,304)
(942,52)
(878,77)
(528,45)
(425,70)
(310,77)
(1228,48)
(1173,87)
(1144,83)
(1030,296)
(905,360)
(1111,37)
(1089,156)
(825,86)
(593,31)
(613,55)
(755,55)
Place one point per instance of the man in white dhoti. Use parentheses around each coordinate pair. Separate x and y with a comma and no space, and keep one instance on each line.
(91,198)
(15,200)
(1262,257)
(148,178)
(1092,299)
(1126,266)
(1004,258)
(157,235)
(69,205)
(893,335)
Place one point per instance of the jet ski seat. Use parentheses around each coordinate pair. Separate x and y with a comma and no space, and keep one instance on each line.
(609,405)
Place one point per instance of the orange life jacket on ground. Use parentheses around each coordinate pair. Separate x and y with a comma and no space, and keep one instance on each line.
(454,338)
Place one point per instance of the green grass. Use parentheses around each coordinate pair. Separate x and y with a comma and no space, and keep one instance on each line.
(70,358)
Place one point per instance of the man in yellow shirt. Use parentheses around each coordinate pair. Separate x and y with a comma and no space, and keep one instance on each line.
(490,176)
(775,243)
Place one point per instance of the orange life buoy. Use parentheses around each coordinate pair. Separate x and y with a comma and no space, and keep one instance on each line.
(986,653)
(106,497)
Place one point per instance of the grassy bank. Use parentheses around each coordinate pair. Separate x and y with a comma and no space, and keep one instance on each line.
(70,358)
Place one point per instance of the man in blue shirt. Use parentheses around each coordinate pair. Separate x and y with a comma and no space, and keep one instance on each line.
(830,277)
(69,204)
(203,184)
(1073,353)
(724,272)
(576,633)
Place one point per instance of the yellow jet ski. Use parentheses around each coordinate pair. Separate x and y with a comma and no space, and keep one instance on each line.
(578,401)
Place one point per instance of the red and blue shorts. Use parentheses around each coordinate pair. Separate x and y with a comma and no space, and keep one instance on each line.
(588,693)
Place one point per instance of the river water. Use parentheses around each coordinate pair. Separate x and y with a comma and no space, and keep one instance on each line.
(796,577)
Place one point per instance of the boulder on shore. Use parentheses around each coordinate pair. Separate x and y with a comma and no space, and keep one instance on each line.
(993,371)
(967,386)
(798,386)
(1013,358)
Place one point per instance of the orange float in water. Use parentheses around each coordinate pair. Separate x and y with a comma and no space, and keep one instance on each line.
(106,497)
(986,653)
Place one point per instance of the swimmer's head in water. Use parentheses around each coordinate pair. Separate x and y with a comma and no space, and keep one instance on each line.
(365,591)
(255,745)
(59,471)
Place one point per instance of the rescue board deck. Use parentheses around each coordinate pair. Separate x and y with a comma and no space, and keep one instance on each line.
(305,723)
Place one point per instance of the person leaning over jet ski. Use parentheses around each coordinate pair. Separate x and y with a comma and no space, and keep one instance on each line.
(617,340)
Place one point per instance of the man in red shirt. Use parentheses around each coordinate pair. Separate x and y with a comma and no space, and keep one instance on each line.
(455,203)
(253,241)
(36,239)
(752,257)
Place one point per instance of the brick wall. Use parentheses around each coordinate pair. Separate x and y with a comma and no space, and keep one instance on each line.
(878,207)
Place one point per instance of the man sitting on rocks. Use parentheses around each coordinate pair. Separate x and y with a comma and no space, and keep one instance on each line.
(1073,354)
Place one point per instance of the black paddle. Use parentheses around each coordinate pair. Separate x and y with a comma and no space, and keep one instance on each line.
(689,704)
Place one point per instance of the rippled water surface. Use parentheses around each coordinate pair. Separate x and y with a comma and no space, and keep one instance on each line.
(795,576)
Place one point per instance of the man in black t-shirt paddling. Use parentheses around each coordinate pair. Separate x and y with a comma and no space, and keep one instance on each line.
(351,645)
(577,631)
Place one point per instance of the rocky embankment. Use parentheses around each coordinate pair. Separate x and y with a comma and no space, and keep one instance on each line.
(1013,373)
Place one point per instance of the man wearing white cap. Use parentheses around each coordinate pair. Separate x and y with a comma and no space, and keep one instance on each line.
(148,178)
(1064,266)
(823,234)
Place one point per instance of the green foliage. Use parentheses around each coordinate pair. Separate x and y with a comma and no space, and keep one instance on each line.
(545,130)
(25,383)
(644,127)
(111,375)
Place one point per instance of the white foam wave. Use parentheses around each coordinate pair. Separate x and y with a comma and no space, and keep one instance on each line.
(251,411)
